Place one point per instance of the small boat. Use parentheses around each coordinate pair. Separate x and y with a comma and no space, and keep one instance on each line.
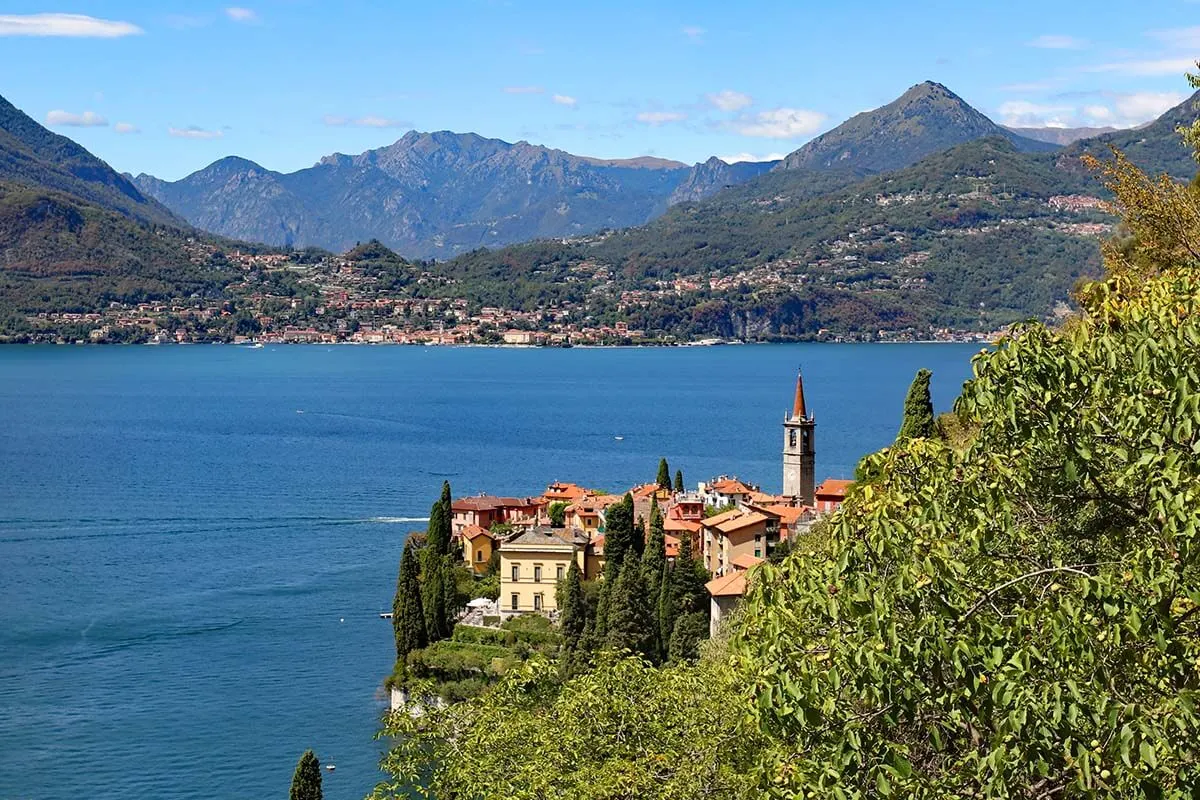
(619,438)
(385,615)
(330,767)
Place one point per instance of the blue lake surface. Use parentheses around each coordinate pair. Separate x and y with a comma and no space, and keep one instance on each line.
(195,542)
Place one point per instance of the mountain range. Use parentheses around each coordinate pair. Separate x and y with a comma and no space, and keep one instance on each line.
(921,212)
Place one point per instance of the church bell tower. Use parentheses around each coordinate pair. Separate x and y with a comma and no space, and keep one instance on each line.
(799,449)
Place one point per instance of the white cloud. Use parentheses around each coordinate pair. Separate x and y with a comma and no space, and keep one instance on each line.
(693,32)
(523,90)
(729,100)
(740,157)
(565,100)
(238,14)
(660,117)
(1024,114)
(193,132)
(126,127)
(1179,38)
(371,121)
(1138,107)
(75,25)
(88,119)
(781,123)
(1057,42)
(368,121)
(1098,113)
(1148,67)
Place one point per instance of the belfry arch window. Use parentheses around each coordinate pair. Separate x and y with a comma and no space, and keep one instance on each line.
(791,437)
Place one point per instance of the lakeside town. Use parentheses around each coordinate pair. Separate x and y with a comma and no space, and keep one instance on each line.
(519,565)
(350,299)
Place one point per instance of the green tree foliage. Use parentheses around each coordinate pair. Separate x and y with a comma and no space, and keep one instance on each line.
(689,631)
(664,475)
(408,615)
(678,480)
(687,581)
(654,563)
(558,514)
(621,730)
(573,619)
(1018,617)
(631,623)
(665,610)
(306,780)
(618,534)
(919,419)
(441,517)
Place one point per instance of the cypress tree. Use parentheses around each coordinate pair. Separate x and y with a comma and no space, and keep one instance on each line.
(306,780)
(690,630)
(630,624)
(654,561)
(452,603)
(679,481)
(919,421)
(666,609)
(441,518)
(408,617)
(687,583)
(573,619)
(433,594)
(664,475)
(618,533)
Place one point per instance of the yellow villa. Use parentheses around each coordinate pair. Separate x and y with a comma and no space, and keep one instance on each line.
(478,544)
(531,565)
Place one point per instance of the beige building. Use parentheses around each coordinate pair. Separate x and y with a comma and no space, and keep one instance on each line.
(532,564)
(734,534)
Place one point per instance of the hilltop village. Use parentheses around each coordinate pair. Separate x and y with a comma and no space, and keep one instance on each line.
(522,557)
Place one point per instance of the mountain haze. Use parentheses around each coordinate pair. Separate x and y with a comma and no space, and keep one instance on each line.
(426,195)
(1059,136)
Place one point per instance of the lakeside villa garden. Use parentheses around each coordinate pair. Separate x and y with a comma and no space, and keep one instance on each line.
(1006,604)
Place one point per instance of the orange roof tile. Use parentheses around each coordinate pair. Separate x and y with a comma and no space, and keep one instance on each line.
(472,531)
(746,561)
(671,545)
(732,486)
(789,515)
(834,487)
(725,516)
(731,585)
(672,524)
(740,522)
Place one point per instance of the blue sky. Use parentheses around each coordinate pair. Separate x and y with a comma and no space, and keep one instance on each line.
(168,87)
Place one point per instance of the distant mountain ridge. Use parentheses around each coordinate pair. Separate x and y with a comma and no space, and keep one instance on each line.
(1060,136)
(926,119)
(426,195)
(709,177)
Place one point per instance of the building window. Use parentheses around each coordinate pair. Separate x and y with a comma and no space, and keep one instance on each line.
(537,602)
(791,437)
(516,602)
(757,553)
(516,572)
(559,572)
(479,555)
(537,574)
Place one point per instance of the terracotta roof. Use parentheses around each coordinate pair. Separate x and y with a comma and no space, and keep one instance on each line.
(746,561)
(564,491)
(787,514)
(672,524)
(731,486)
(740,522)
(799,408)
(485,502)
(731,585)
(725,516)
(764,498)
(471,531)
(834,486)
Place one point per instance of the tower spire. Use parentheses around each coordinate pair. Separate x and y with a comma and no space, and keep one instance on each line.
(799,409)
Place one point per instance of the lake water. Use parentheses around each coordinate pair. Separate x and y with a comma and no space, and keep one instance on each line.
(195,542)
